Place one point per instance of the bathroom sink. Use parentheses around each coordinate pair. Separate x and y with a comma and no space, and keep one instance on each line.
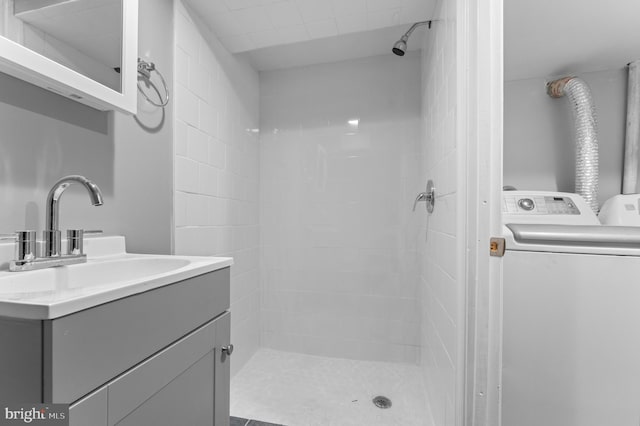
(109,274)
(87,275)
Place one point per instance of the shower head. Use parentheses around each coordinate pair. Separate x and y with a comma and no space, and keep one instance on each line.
(400,46)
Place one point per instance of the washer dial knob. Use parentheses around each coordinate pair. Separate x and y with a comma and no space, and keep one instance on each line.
(526,204)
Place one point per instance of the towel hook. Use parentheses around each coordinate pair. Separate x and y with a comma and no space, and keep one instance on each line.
(144,69)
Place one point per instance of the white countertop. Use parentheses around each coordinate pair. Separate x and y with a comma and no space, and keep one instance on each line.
(109,274)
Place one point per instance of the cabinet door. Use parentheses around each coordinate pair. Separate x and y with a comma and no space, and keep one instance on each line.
(222,371)
(187,400)
(90,410)
(174,387)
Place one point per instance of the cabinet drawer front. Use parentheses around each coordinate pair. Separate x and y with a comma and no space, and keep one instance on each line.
(91,347)
(132,389)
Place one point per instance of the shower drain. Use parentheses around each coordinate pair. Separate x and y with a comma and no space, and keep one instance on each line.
(382,402)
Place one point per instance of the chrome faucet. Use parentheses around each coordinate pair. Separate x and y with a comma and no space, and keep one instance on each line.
(52,237)
(26,259)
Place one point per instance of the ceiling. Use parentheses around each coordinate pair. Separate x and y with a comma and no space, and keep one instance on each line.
(547,38)
(316,30)
(334,49)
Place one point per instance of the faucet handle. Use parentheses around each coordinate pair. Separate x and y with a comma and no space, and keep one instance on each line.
(25,245)
(75,239)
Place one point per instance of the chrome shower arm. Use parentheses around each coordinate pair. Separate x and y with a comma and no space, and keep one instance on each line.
(414,26)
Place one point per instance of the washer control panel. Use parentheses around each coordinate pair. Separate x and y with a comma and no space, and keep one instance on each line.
(538,205)
(546,207)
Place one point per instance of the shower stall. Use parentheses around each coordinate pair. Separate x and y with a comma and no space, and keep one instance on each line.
(337,281)
(348,270)
(339,272)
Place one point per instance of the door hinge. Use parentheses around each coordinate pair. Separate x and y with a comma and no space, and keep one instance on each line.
(496,247)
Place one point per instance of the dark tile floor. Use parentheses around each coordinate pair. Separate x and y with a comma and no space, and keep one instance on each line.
(239,421)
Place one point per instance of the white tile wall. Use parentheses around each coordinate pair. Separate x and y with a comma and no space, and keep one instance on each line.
(217,168)
(440,284)
(338,272)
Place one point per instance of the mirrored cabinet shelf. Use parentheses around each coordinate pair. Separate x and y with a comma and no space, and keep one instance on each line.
(85,50)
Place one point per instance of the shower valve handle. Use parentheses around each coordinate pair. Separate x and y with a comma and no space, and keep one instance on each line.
(428,196)
(421,197)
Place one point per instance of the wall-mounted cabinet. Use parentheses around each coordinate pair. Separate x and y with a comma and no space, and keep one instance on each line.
(85,50)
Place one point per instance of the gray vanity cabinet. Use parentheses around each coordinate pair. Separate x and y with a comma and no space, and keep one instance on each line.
(184,384)
(154,358)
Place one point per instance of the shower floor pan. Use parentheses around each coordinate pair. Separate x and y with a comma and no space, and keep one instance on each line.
(305,390)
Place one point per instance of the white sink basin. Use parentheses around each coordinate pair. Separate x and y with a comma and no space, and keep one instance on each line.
(112,274)
(86,275)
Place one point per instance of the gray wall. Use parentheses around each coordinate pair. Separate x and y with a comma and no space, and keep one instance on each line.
(539,142)
(144,145)
(45,136)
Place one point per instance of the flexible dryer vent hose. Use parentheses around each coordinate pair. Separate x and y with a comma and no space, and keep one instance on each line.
(584,113)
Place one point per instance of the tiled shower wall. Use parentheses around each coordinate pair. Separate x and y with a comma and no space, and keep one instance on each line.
(217,168)
(441,284)
(338,272)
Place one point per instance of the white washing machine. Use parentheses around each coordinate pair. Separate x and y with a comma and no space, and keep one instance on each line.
(571,315)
